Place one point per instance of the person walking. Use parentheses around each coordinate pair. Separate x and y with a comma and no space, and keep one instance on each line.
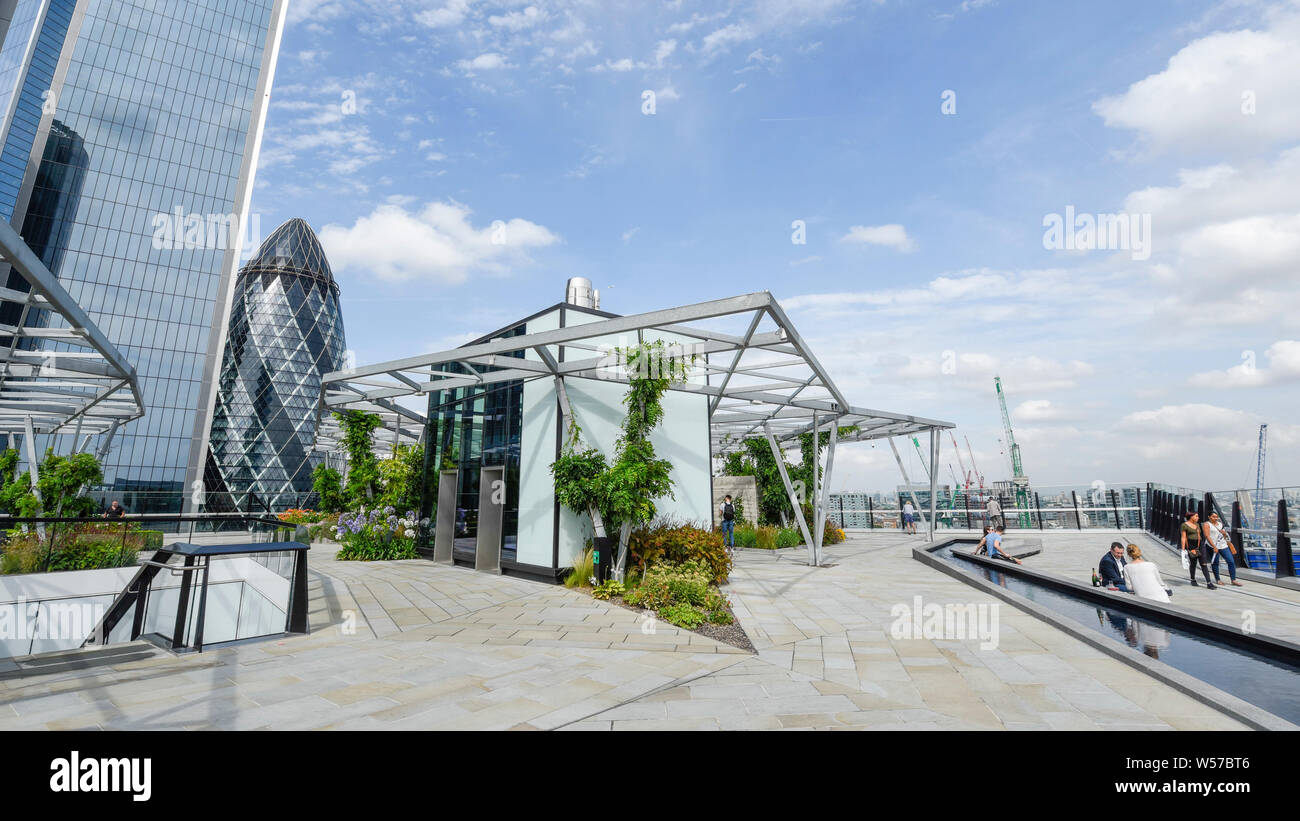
(728,512)
(1216,538)
(909,518)
(1190,541)
(1142,577)
(994,510)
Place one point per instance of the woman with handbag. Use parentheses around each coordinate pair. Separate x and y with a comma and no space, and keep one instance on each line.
(1190,537)
(1219,541)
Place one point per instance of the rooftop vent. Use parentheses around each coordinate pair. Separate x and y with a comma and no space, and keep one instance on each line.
(579,292)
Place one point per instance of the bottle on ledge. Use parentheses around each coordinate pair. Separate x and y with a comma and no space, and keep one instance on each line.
(1096,580)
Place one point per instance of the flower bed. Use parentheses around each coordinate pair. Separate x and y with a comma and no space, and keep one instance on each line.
(377,535)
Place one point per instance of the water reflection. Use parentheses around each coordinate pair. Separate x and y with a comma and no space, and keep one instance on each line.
(1263,680)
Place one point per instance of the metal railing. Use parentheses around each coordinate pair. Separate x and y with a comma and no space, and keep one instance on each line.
(1110,509)
(1264,544)
(56,536)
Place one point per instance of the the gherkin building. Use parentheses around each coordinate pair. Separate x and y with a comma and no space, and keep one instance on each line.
(286,331)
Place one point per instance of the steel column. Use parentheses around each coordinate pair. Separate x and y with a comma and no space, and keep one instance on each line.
(789,490)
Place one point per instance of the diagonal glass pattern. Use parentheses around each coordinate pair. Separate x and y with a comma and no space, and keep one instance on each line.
(286,331)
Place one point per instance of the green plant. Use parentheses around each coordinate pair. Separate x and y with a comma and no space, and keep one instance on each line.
(682,615)
(666,540)
(76,546)
(608,589)
(583,570)
(623,493)
(402,477)
(59,480)
(363,468)
(377,535)
(328,486)
(754,458)
(788,537)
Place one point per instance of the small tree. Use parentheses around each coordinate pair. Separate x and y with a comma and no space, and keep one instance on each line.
(328,486)
(363,468)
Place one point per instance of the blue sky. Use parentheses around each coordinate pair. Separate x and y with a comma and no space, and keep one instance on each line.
(402,130)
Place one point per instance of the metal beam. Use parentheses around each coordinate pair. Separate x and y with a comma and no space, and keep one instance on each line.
(794,502)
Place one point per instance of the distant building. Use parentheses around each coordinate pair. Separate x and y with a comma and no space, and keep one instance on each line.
(286,332)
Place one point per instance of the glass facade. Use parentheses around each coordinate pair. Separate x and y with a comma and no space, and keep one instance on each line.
(286,332)
(473,428)
(135,192)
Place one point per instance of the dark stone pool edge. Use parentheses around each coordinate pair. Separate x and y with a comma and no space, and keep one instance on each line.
(1221,700)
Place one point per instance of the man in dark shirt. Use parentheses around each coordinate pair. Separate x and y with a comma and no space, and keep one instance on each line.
(115,510)
(1111,568)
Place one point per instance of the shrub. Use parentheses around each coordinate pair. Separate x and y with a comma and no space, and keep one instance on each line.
(379,535)
(682,615)
(682,594)
(327,483)
(584,570)
(676,543)
(745,536)
(832,534)
(83,546)
(788,537)
(298,516)
(607,590)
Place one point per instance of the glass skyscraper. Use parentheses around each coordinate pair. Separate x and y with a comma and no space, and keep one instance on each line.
(286,332)
(128,143)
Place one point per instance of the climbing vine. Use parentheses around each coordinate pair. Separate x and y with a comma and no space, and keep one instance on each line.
(363,467)
(623,494)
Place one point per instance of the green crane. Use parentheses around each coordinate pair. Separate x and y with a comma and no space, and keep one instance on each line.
(1017,469)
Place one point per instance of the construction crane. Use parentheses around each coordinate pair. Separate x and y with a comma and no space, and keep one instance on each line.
(965,485)
(975,470)
(1018,477)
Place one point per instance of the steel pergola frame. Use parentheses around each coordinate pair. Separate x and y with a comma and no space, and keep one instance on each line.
(85,390)
(760,376)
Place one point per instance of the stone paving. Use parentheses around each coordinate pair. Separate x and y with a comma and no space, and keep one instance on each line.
(413,645)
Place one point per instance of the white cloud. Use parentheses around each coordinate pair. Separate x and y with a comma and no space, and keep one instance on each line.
(1283,366)
(629,233)
(446,16)
(437,243)
(664,50)
(1198,102)
(721,40)
(891,236)
(1194,419)
(484,62)
(739,86)
(1042,410)
(518,20)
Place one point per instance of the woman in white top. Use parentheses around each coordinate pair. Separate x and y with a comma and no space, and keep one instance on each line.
(1143,577)
(1217,538)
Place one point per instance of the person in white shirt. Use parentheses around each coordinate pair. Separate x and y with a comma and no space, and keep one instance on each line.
(1142,577)
(909,518)
(1216,537)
